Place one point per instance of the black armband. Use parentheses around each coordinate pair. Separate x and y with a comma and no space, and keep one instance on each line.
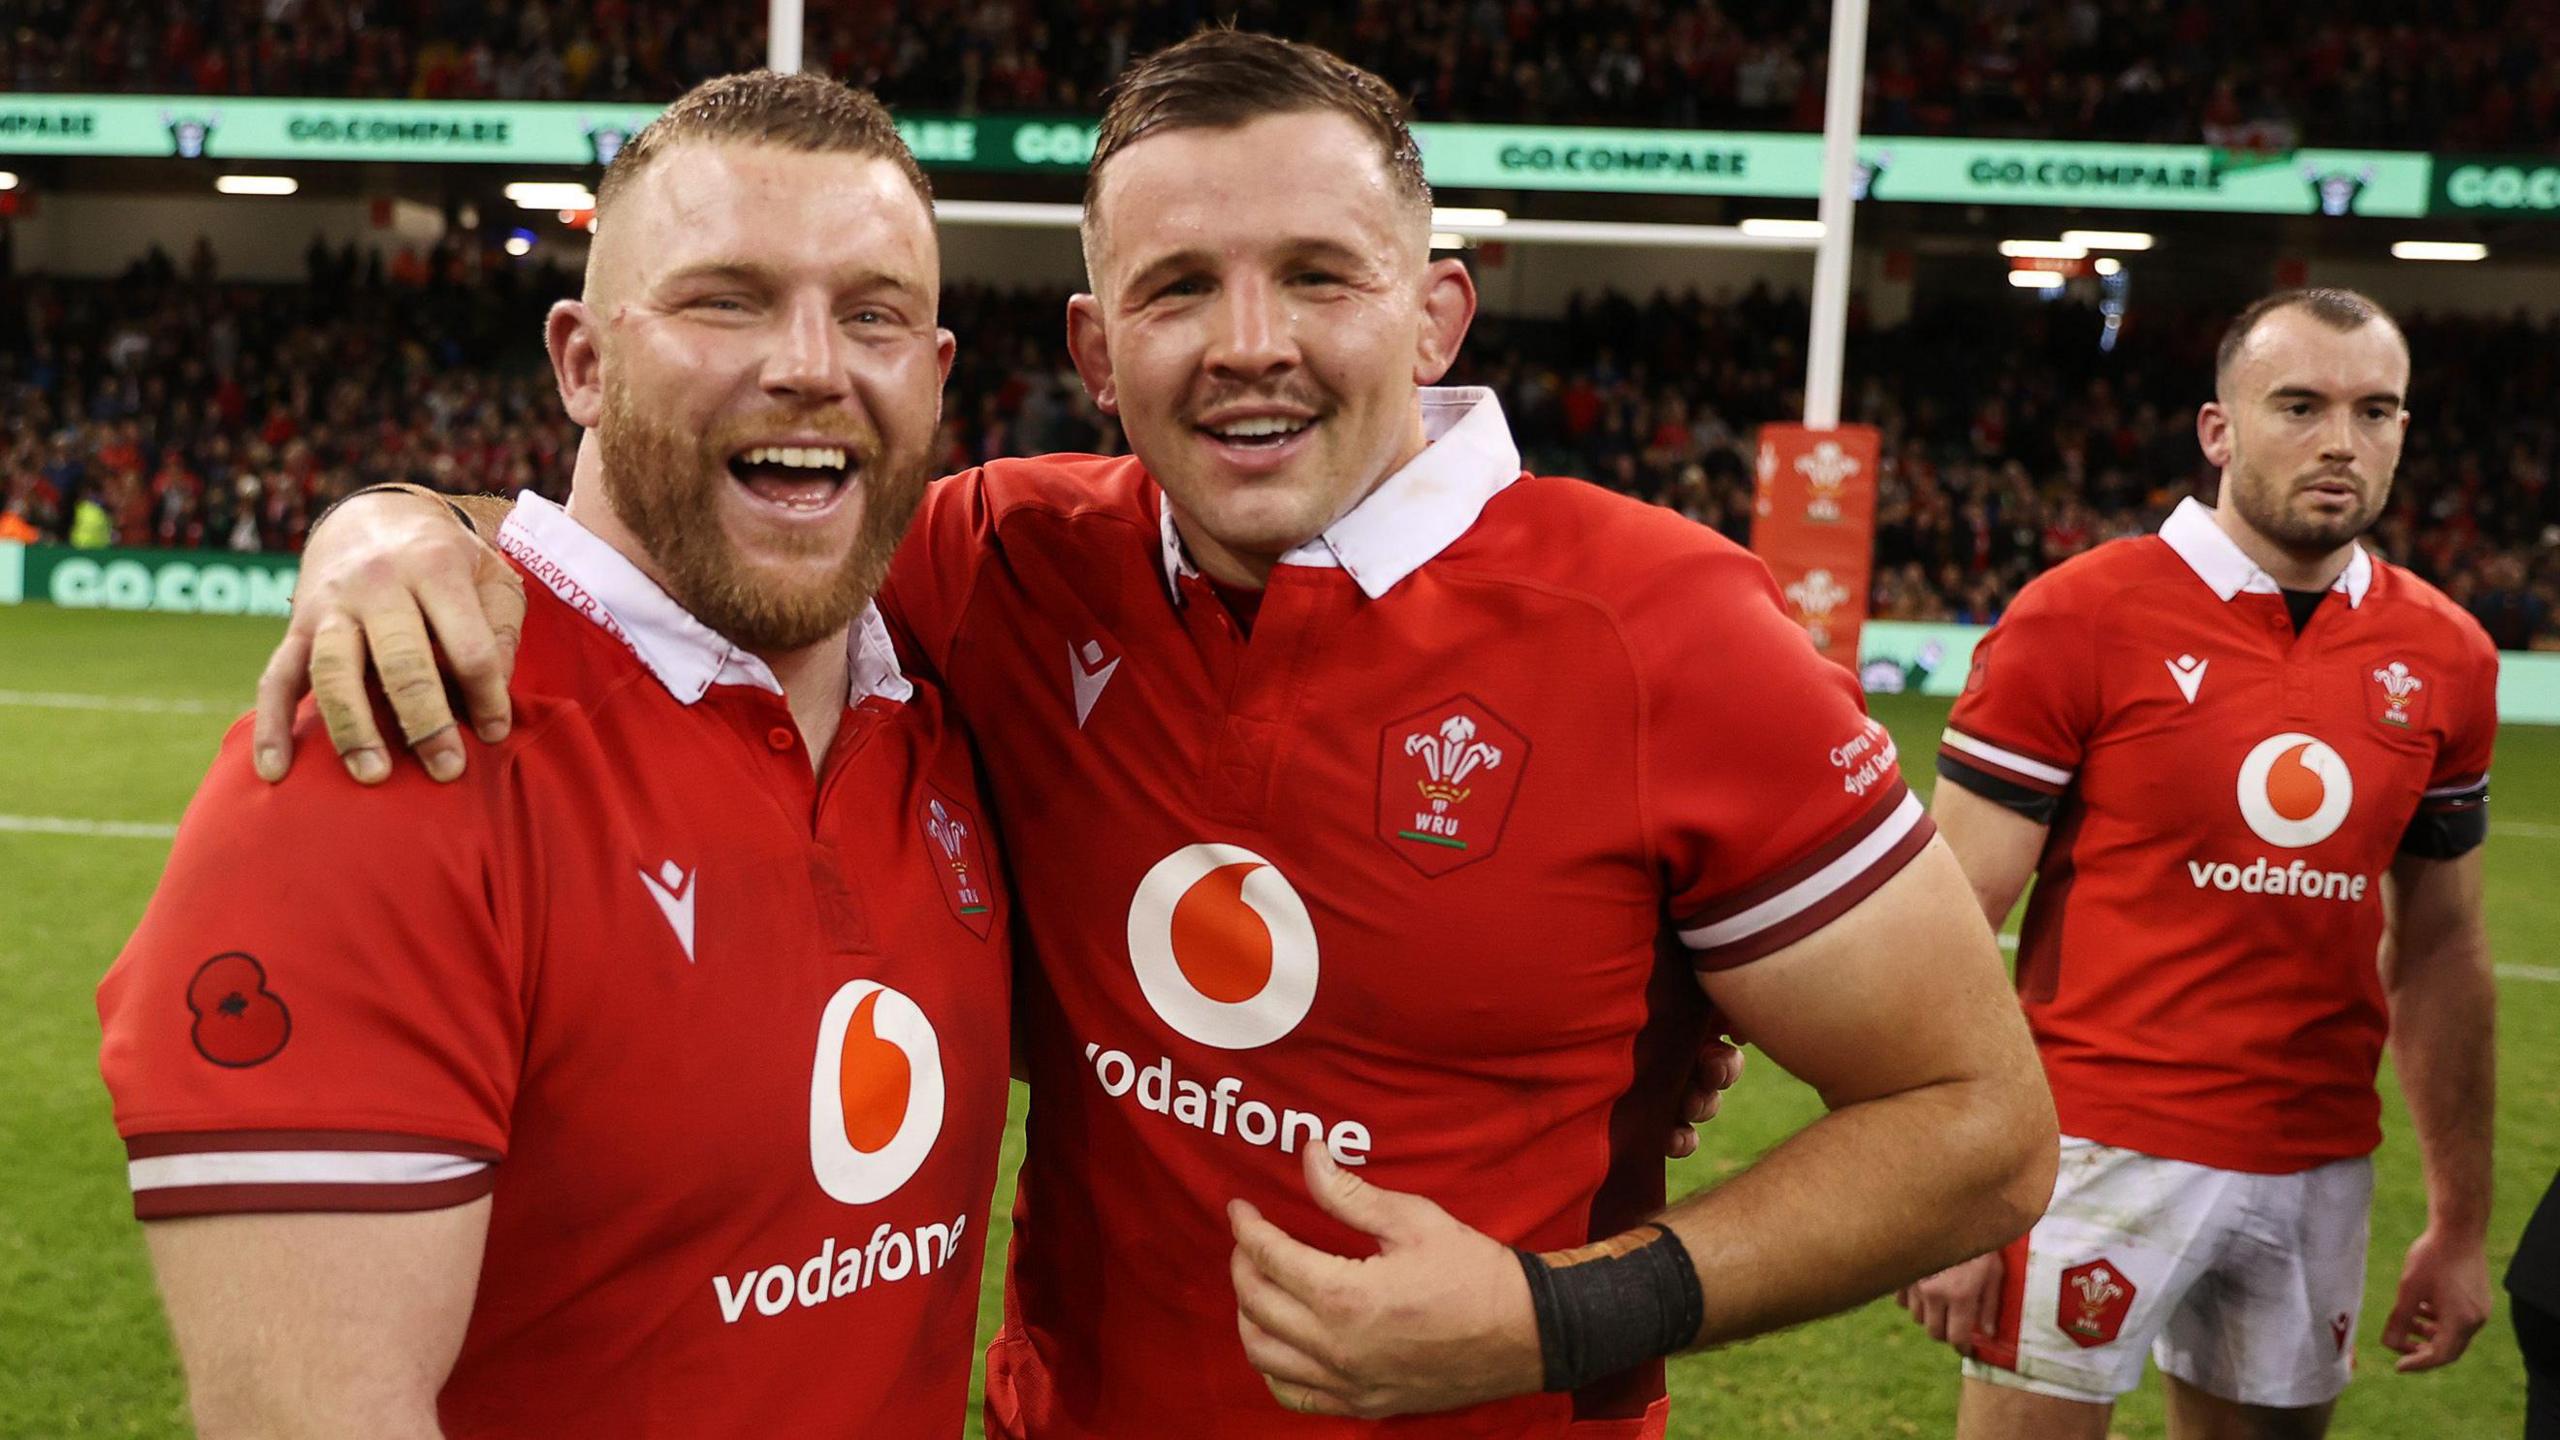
(2446,834)
(2007,794)
(1611,1307)
(405,488)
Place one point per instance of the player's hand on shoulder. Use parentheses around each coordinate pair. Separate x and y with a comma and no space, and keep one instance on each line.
(2444,1300)
(1959,1304)
(389,585)
(1439,1318)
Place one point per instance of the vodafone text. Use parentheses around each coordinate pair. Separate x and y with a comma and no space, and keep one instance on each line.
(890,1255)
(2263,876)
(1211,1106)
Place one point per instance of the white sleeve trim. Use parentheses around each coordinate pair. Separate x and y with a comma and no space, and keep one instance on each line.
(2009,759)
(299,1167)
(1811,891)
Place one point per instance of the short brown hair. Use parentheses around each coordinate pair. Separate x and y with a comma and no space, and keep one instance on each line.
(808,113)
(2341,310)
(1220,79)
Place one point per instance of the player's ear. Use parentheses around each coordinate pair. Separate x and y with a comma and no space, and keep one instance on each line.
(568,333)
(1448,308)
(2213,433)
(1090,344)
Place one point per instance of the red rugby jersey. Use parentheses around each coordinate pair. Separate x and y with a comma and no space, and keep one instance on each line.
(2198,955)
(1408,870)
(724,1040)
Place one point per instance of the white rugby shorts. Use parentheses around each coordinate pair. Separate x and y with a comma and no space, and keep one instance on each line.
(2243,1286)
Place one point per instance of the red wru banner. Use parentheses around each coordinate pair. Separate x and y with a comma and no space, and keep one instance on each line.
(1813,523)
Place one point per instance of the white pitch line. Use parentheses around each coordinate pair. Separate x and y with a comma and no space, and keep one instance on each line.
(2526,828)
(95,829)
(131,704)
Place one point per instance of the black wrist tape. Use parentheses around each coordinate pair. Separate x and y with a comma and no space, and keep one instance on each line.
(1611,1307)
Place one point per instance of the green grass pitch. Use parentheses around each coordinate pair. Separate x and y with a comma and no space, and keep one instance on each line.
(83,1351)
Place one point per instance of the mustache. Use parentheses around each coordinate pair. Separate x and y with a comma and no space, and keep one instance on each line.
(1296,396)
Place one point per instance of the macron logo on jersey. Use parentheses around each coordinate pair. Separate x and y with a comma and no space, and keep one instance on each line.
(1088,673)
(673,890)
(2188,671)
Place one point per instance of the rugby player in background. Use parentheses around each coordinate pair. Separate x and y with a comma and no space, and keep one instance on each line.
(1378,808)
(2240,758)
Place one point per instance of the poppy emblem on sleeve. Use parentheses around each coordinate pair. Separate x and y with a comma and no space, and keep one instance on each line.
(239,1022)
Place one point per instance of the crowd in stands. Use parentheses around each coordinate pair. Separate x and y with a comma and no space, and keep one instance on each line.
(174,409)
(2465,74)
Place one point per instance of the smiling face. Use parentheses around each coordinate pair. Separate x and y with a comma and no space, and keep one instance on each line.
(1264,306)
(2307,428)
(758,356)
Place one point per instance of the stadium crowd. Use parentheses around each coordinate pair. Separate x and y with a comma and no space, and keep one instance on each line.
(173,409)
(2479,74)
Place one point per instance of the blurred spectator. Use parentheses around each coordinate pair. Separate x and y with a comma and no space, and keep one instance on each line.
(2482,75)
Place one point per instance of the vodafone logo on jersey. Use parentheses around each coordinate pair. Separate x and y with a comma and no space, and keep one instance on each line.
(875,1093)
(2295,790)
(1223,947)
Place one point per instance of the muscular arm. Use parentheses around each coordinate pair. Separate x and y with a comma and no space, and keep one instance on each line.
(2443,1042)
(1939,1143)
(387,583)
(1998,849)
(1996,846)
(318,1325)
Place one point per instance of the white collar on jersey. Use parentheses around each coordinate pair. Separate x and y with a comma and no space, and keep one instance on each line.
(2219,561)
(687,656)
(1468,457)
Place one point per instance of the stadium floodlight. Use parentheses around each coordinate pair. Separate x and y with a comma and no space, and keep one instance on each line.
(2108,265)
(519,245)
(2438,250)
(256,184)
(551,195)
(2043,250)
(2107,239)
(8,179)
(1443,240)
(2036,279)
(1767,226)
(1444,217)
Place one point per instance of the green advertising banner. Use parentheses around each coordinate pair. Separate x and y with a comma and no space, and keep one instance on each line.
(2499,185)
(1959,172)
(1929,170)
(227,128)
(1901,657)
(181,582)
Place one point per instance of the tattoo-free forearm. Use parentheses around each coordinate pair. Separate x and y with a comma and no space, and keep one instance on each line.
(2443,1041)
(1869,1198)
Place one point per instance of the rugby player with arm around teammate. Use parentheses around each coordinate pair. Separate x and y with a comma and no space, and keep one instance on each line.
(1377,806)
(2217,750)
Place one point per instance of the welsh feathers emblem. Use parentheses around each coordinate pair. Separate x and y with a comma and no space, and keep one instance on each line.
(2398,691)
(1825,469)
(2093,1303)
(959,861)
(1446,778)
